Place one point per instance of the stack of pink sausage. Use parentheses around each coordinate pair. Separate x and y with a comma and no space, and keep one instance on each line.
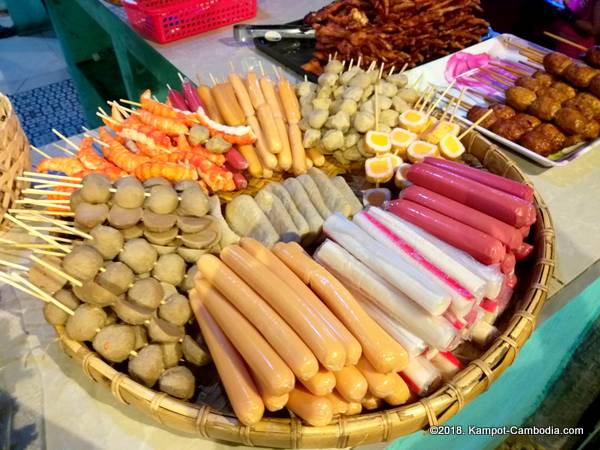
(285,333)
(437,268)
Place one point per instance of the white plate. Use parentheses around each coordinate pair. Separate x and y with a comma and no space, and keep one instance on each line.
(497,47)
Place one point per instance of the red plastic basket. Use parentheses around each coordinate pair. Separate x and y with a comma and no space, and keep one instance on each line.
(165,21)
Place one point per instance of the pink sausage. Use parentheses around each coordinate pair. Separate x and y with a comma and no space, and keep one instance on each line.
(177,100)
(503,232)
(479,245)
(523,251)
(512,187)
(524,231)
(239,179)
(190,93)
(498,204)
(236,160)
(507,265)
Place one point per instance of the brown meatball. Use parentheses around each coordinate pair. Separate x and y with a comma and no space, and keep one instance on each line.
(503,111)
(574,139)
(528,121)
(529,83)
(592,56)
(475,114)
(580,75)
(509,129)
(544,107)
(565,89)
(592,130)
(594,86)
(586,104)
(556,63)
(544,140)
(519,97)
(570,121)
(544,78)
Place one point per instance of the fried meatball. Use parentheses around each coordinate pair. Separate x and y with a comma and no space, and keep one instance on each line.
(528,82)
(594,86)
(509,129)
(592,130)
(544,107)
(592,56)
(475,114)
(580,75)
(544,78)
(544,140)
(503,111)
(586,104)
(565,89)
(528,121)
(570,121)
(556,63)
(519,97)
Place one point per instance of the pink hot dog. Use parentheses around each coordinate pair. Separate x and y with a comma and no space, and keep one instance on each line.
(503,232)
(505,207)
(479,245)
(489,179)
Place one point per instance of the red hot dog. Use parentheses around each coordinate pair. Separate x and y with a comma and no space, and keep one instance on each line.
(480,246)
(503,232)
(505,207)
(512,187)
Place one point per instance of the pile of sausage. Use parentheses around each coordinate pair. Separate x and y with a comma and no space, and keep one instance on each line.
(293,210)
(273,113)
(284,332)
(550,114)
(124,282)
(339,110)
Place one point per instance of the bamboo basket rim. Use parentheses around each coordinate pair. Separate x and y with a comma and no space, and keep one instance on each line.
(381,426)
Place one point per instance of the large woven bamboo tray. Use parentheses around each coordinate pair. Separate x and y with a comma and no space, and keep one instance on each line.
(516,325)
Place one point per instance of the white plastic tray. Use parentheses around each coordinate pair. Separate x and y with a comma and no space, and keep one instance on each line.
(496,47)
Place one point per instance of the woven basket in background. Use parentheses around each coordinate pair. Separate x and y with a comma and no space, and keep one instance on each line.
(14,158)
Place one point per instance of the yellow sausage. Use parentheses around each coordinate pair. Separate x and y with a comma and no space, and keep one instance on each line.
(267,123)
(316,156)
(317,411)
(242,94)
(228,105)
(254,166)
(268,159)
(322,383)
(210,105)
(256,96)
(298,153)
(284,157)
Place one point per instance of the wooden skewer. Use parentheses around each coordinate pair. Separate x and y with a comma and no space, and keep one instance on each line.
(57,271)
(25,245)
(10,250)
(533,66)
(371,66)
(48,239)
(45,192)
(481,119)
(66,139)
(434,105)
(40,203)
(42,211)
(44,295)
(181,77)
(566,41)
(503,79)
(391,70)
(421,98)
(14,265)
(447,110)
(67,228)
(37,150)
(458,101)
(510,69)
(335,55)
(129,102)
(359,61)
(430,93)
(376,107)
(64,150)
(33,217)
(486,82)
(212,79)
(381,71)
(512,43)
(351,62)
(6,278)
(404,67)
(49,175)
